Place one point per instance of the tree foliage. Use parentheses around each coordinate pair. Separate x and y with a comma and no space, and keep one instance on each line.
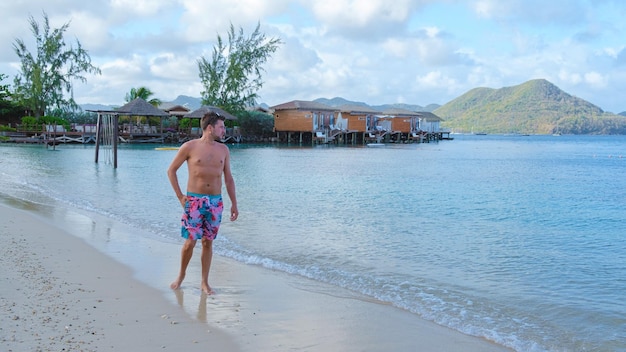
(4,89)
(5,96)
(233,77)
(31,123)
(9,109)
(143,93)
(257,124)
(48,73)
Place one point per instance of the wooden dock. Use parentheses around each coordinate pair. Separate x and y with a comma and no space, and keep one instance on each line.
(75,137)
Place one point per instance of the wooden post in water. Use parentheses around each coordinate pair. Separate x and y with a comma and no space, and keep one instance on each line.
(115,140)
(54,137)
(98,132)
(112,123)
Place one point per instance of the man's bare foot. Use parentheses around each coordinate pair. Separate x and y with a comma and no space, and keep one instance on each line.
(176,284)
(207,289)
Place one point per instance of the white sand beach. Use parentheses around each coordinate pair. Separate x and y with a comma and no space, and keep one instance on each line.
(60,292)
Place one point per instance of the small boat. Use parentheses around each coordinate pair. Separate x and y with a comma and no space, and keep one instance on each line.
(375,144)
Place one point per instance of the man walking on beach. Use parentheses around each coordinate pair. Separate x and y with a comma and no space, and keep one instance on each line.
(207,161)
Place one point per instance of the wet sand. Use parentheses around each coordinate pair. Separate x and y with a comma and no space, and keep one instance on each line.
(63,291)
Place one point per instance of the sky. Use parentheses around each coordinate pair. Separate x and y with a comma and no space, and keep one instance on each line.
(373,51)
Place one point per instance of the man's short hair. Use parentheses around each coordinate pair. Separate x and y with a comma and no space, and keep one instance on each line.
(210,118)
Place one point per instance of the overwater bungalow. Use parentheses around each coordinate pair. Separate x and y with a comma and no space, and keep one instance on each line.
(312,122)
(304,121)
(431,124)
(400,124)
(362,123)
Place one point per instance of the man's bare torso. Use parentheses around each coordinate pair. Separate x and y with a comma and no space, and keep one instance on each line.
(206,166)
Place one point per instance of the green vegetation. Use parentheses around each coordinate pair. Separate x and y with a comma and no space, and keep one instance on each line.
(5,95)
(45,76)
(32,123)
(258,124)
(188,123)
(9,109)
(143,93)
(233,76)
(536,106)
(4,128)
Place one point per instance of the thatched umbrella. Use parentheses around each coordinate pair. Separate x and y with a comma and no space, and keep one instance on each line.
(201,111)
(140,107)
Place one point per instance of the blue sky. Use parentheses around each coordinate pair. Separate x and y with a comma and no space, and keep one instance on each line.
(373,51)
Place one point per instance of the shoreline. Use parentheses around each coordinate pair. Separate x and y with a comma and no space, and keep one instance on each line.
(58,293)
(115,292)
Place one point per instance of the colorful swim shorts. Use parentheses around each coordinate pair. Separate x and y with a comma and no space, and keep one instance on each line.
(202,216)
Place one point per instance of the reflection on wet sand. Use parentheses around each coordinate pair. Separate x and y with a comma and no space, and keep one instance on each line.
(202,311)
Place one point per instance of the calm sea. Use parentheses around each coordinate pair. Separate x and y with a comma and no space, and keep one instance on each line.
(519,239)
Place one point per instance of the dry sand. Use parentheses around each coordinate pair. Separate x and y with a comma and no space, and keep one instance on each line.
(59,292)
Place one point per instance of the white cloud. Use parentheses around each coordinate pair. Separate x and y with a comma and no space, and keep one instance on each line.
(140,7)
(532,11)
(293,56)
(204,20)
(363,20)
(596,80)
(374,51)
(172,67)
(397,48)
(433,79)
(569,77)
(89,28)
(360,14)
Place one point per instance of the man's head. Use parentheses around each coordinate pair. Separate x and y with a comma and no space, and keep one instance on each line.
(210,118)
(213,124)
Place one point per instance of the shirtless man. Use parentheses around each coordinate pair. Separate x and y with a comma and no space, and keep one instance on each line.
(207,161)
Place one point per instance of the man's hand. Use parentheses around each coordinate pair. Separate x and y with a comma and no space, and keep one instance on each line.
(183,200)
(234,213)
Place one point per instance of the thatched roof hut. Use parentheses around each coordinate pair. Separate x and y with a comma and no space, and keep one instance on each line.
(140,107)
(174,109)
(201,111)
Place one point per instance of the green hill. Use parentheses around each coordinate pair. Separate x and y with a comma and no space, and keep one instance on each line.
(535,107)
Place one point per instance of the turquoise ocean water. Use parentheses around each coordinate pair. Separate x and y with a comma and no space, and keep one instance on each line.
(518,239)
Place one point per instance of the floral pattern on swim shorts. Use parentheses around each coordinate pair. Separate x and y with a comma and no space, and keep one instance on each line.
(202,216)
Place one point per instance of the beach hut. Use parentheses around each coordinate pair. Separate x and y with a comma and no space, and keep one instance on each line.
(360,118)
(400,123)
(174,109)
(430,122)
(361,122)
(141,133)
(107,126)
(402,120)
(140,107)
(304,119)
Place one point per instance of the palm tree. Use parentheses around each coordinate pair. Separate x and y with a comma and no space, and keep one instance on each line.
(143,93)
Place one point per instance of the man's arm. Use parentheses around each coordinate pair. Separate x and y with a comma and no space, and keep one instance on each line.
(229,181)
(179,159)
